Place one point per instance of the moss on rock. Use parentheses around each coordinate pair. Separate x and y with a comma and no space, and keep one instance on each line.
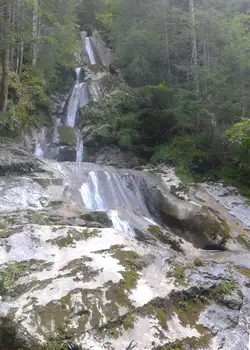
(243,240)
(74,235)
(160,313)
(223,289)
(67,135)
(193,343)
(9,274)
(165,237)
(188,311)
(244,271)
(5,230)
(178,272)
(128,321)
(38,218)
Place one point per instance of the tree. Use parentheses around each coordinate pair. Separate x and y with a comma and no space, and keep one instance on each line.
(5,10)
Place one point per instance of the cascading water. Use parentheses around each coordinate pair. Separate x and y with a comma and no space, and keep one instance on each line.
(74,101)
(119,224)
(89,50)
(38,150)
(39,138)
(120,193)
(79,148)
(98,188)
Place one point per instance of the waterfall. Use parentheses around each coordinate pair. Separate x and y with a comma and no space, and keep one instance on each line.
(89,50)
(38,149)
(74,101)
(104,189)
(40,140)
(79,148)
(119,224)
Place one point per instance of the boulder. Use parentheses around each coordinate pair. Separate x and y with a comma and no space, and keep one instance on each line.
(100,217)
(67,135)
(192,221)
(115,156)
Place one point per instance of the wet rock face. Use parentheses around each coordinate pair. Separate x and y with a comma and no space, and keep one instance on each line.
(113,156)
(187,219)
(58,143)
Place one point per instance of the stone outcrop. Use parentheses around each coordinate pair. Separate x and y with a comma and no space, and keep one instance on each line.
(16,160)
(67,275)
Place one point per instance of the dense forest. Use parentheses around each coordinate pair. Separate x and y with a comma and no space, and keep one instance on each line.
(37,42)
(186,64)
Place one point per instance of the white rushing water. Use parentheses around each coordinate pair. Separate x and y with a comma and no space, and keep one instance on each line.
(38,150)
(89,50)
(74,101)
(79,148)
(119,224)
(103,189)
(40,138)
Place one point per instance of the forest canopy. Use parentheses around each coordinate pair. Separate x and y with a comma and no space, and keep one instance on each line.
(190,61)
(186,64)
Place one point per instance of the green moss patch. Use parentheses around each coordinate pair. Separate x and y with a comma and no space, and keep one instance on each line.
(128,321)
(67,135)
(38,218)
(4,229)
(54,345)
(9,275)
(178,272)
(188,311)
(244,241)
(165,237)
(130,260)
(188,344)
(117,294)
(244,271)
(221,290)
(76,263)
(160,313)
(214,228)
(197,262)
(74,235)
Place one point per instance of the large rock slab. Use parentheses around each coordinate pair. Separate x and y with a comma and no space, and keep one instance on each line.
(65,274)
(14,159)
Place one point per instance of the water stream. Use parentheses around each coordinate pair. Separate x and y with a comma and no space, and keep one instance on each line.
(90,51)
(97,188)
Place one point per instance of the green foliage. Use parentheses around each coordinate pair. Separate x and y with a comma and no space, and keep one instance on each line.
(9,275)
(178,272)
(222,290)
(56,48)
(116,117)
(54,345)
(239,136)
(185,106)
(128,321)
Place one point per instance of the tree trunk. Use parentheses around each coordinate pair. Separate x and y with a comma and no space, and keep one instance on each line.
(194,46)
(5,62)
(21,56)
(35,33)
(12,21)
(169,76)
(20,28)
